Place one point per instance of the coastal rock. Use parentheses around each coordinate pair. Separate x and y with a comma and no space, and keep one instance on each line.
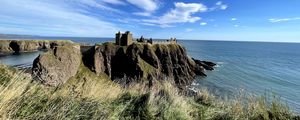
(58,65)
(4,46)
(133,63)
(205,64)
(17,46)
(143,61)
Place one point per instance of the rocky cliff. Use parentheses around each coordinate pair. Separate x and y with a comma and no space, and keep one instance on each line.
(136,62)
(7,46)
(56,66)
(145,62)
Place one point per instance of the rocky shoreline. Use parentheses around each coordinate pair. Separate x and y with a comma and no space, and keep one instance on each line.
(18,46)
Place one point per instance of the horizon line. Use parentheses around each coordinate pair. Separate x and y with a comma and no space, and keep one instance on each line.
(180,39)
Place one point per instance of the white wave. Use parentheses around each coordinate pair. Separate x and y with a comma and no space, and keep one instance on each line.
(219,64)
(195,84)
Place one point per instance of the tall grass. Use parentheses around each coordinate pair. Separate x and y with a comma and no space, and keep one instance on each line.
(87,96)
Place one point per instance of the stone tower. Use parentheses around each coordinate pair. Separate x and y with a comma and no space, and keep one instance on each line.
(124,39)
(118,38)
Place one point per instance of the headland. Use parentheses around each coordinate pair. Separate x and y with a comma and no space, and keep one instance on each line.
(124,60)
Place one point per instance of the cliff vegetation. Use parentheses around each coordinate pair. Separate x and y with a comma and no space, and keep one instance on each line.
(88,96)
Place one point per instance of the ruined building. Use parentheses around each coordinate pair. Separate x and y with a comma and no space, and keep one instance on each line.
(124,39)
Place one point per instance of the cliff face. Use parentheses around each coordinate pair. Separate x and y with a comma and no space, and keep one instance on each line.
(139,61)
(145,62)
(29,45)
(4,46)
(58,65)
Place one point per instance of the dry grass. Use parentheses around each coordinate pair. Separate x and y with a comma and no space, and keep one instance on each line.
(87,96)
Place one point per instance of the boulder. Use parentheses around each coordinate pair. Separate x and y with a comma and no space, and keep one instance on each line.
(58,65)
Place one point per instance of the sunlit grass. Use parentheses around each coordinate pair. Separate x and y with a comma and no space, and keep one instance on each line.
(88,96)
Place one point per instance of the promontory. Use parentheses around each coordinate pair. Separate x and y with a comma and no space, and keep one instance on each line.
(125,61)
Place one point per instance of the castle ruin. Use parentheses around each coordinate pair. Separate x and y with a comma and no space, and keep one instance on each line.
(124,39)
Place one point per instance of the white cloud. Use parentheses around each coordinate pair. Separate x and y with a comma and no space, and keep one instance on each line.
(182,13)
(219,3)
(236,25)
(55,18)
(147,14)
(203,23)
(97,4)
(275,20)
(147,5)
(223,7)
(233,19)
(129,20)
(219,6)
(166,26)
(189,30)
(148,24)
(116,2)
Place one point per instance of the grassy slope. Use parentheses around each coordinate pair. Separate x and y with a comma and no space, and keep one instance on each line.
(87,96)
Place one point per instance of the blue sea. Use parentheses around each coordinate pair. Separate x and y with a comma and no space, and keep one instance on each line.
(254,67)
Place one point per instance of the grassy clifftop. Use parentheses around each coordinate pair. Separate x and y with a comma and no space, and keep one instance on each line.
(7,46)
(88,96)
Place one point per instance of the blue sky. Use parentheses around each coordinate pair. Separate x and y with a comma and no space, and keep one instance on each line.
(243,20)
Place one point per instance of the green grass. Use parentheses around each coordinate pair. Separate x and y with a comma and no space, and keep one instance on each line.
(88,96)
(5,75)
(146,67)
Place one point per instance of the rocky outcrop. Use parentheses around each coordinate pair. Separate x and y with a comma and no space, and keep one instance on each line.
(145,62)
(4,46)
(138,61)
(58,65)
(7,46)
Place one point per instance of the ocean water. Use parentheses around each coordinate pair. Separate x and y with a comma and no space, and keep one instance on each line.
(20,60)
(254,67)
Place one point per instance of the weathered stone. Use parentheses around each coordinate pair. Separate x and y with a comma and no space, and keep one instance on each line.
(56,66)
